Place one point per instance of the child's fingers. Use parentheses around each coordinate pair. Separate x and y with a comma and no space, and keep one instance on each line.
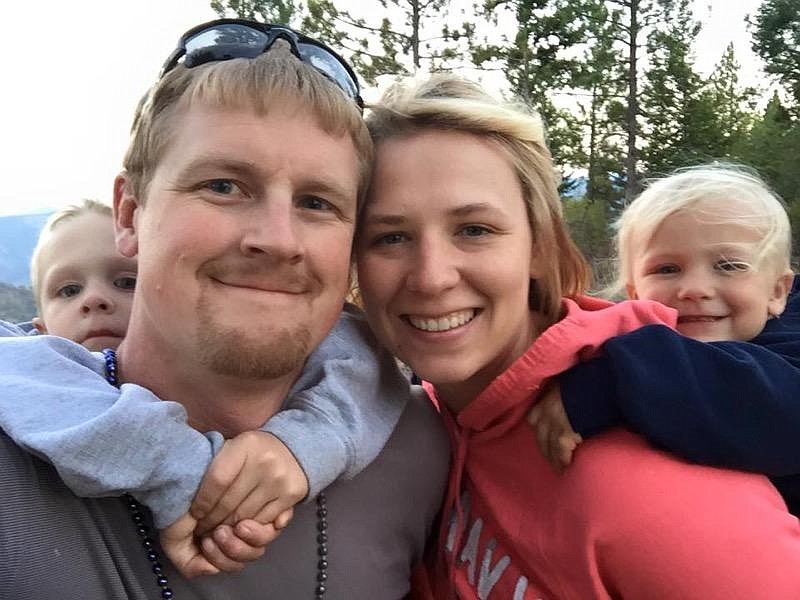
(227,509)
(256,534)
(272,511)
(222,472)
(567,443)
(543,433)
(214,554)
(283,519)
(262,505)
(179,546)
(236,549)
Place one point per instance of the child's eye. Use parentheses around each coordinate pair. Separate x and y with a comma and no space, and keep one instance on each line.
(732,266)
(69,290)
(666,269)
(125,283)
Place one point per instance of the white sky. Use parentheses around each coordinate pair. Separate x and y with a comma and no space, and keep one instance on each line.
(72,77)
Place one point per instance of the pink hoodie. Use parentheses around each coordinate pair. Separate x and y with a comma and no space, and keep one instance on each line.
(624,521)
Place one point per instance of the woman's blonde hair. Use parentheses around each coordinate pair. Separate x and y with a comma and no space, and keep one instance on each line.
(275,78)
(719,193)
(65,214)
(449,102)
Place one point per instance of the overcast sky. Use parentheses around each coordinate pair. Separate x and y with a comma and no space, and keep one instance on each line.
(73,73)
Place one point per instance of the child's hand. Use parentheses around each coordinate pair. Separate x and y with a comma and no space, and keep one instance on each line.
(226,549)
(557,440)
(254,476)
(182,548)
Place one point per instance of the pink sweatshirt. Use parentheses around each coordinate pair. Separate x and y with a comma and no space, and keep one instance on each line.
(624,521)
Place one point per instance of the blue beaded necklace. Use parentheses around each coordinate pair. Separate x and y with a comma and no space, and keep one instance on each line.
(137,514)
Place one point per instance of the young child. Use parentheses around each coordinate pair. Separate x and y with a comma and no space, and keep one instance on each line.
(105,442)
(82,286)
(713,243)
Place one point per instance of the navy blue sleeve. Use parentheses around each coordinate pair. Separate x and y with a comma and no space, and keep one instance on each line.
(731,404)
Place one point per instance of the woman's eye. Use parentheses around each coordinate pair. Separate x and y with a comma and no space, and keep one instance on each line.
(125,283)
(474,231)
(69,290)
(390,239)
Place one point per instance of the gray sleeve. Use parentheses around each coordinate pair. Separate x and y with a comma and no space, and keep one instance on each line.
(345,405)
(11,330)
(56,404)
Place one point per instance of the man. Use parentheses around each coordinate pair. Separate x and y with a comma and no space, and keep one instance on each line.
(239,199)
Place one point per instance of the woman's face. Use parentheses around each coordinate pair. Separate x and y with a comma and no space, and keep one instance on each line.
(445,258)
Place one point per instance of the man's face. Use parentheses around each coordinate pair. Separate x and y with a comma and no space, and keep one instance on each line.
(244,240)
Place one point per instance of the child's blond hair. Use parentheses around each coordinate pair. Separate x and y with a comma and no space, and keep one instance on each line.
(65,214)
(721,194)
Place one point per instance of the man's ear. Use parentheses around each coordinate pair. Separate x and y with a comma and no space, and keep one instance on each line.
(39,325)
(126,205)
(780,292)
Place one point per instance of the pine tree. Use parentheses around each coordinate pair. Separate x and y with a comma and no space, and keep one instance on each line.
(776,39)
(670,93)
(284,12)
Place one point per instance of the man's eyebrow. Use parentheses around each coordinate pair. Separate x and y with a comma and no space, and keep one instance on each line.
(330,189)
(223,163)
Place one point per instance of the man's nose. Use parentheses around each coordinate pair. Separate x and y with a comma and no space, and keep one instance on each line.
(273,230)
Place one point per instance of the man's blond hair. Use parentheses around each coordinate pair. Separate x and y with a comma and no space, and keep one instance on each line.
(275,78)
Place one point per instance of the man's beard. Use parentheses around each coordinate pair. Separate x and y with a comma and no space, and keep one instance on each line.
(249,354)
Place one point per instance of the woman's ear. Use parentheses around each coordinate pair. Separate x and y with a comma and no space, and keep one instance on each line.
(126,204)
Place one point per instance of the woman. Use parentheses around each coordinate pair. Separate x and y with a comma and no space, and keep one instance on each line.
(468,276)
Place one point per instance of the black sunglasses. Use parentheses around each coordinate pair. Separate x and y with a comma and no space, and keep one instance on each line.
(225,39)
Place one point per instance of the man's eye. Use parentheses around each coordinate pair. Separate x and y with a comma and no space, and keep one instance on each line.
(69,290)
(224,187)
(315,203)
(125,283)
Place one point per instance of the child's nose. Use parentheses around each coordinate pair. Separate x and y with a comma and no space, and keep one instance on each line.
(695,287)
(94,300)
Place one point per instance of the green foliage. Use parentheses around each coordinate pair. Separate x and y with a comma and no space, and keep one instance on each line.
(773,148)
(16,303)
(671,102)
(410,36)
(588,225)
(776,39)
(614,80)
(285,12)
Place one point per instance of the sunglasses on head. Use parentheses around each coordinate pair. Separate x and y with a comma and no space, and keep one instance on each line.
(225,39)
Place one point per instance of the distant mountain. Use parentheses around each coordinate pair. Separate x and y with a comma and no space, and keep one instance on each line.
(16,303)
(18,235)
